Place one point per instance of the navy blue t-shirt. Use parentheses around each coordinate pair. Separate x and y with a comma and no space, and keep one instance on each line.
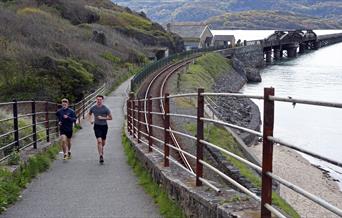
(67,123)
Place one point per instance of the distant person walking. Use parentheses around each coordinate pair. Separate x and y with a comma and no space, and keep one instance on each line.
(66,117)
(98,115)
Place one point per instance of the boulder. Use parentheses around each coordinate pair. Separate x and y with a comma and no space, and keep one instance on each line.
(253,75)
(99,37)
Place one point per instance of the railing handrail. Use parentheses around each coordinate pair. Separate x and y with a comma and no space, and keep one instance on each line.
(50,109)
(268,138)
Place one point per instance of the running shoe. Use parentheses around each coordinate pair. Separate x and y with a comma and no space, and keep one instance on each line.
(69,155)
(65,157)
(101,159)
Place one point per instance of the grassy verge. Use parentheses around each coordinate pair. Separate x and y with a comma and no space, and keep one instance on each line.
(11,184)
(122,78)
(168,208)
(220,137)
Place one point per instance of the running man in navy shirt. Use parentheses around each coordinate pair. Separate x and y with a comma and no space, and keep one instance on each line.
(66,118)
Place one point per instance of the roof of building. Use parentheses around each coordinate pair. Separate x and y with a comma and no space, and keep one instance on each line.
(186,30)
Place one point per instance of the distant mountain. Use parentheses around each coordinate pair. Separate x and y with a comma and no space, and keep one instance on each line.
(271,20)
(328,13)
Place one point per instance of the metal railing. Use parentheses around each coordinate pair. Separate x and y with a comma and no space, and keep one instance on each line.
(135,129)
(40,117)
(154,66)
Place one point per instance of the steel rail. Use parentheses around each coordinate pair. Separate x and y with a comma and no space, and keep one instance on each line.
(239,95)
(254,166)
(183,115)
(183,95)
(232,181)
(308,195)
(182,134)
(25,137)
(186,162)
(308,102)
(157,127)
(233,126)
(283,143)
(7,119)
(274,211)
(8,145)
(6,103)
(184,152)
(206,182)
(8,133)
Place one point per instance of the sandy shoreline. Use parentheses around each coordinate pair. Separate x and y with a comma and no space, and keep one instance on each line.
(291,166)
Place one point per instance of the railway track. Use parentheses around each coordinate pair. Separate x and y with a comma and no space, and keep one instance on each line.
(156,87)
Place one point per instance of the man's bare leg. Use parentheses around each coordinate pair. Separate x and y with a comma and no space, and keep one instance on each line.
(68,141)
(63,143)
(100,146)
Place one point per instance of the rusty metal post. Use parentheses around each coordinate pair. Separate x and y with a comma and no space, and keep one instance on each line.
(57,123)
(34,124)
(139,120)
(79,114)
(166,126)
(16,124)
(47,121)
(128,115)
(131,97)
(200,136)
(267,153)
(149,120)
(133,117)
(83,109)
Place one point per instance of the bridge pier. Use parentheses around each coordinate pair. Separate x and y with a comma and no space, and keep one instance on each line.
(268,52)
(277,53)
(292,50)
(317,45)
(302,48)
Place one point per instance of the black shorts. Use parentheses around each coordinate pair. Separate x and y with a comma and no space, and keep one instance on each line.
(67,133)
(101,131)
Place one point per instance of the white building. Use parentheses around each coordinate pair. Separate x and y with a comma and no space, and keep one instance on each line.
(198,35)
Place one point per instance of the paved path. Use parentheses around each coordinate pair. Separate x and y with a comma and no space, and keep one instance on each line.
(81,187)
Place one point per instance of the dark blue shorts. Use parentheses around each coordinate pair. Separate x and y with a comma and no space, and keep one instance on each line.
(67,133)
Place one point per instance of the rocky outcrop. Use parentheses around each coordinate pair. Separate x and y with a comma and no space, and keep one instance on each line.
(99,37)
(174,42)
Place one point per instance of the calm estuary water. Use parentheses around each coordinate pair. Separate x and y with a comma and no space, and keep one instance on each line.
(317,76)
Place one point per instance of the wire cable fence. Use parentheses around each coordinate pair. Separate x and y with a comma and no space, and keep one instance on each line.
(135,128)
(27,123)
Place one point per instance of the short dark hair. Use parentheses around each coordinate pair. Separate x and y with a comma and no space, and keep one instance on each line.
(100,96)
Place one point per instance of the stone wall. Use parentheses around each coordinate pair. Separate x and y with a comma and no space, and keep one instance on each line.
(248,61)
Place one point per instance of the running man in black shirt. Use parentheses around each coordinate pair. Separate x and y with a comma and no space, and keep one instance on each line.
(66,117)
(101,114)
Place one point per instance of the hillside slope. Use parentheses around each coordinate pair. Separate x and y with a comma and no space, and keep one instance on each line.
(60,48)
(165,11)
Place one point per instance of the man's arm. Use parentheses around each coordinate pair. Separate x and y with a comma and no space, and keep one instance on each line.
(90,117)
(73,117)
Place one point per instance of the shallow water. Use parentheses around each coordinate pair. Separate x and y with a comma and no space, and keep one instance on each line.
(317,76)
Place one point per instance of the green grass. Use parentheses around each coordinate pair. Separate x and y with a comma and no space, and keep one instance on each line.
(11,184)
(220,137)
(168,208)
(204,72)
